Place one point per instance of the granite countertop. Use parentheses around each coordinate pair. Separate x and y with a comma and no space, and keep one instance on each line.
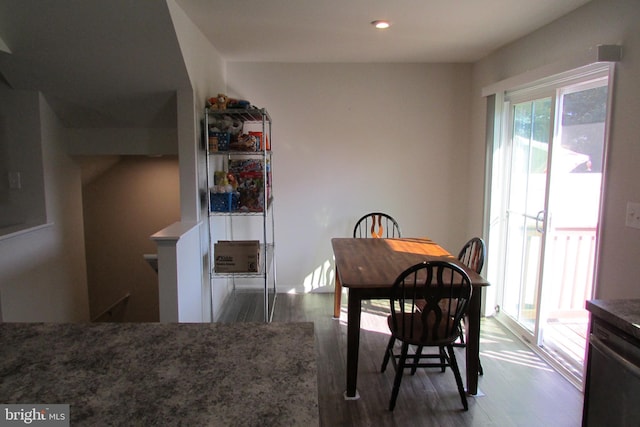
(624,314)
(241,374)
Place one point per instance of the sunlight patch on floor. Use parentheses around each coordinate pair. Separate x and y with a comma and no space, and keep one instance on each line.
(486,338)
(522,357)
(373,317)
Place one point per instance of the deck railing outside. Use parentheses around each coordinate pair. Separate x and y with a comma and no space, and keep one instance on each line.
(569,266)
(570,255)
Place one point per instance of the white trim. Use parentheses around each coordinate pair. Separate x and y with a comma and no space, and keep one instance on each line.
(595,57)
(603,183)
(518,89)
(547,87)
(26,230)
(174,231)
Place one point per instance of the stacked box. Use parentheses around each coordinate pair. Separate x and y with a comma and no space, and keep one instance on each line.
(219,141)
(236,256)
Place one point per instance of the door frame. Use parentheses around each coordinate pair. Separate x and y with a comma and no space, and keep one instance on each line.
(532,96)
(496,129)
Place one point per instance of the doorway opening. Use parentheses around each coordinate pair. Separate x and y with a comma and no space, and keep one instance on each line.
(548,168)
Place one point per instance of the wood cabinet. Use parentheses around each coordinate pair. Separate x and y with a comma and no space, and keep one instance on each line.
(612,382)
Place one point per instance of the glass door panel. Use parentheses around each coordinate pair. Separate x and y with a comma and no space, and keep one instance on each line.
(531,131)
(577,163)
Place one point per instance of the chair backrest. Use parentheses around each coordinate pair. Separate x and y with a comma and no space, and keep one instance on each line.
(443,289)
(377,225)
(473,253)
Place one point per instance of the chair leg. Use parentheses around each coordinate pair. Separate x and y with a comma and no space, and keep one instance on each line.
(456,373)
(388,353)
(398,377)
(443,359)
(416,359)
(461,332)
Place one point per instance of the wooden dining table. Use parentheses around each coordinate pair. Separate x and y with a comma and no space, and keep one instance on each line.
(369,267)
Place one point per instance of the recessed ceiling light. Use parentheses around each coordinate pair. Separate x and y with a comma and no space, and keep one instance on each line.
(381,24)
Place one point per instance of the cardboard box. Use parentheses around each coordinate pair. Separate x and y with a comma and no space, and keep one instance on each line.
(236,256)
(255,128)
(218,141)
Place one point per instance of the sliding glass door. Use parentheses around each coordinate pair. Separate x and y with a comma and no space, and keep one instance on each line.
(545,208)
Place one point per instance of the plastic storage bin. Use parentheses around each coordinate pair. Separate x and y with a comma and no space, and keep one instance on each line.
(224,202)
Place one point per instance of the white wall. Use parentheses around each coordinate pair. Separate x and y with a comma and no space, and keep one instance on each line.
(42,273)
(598,22)
(122,207)
(352,138)
(205,67)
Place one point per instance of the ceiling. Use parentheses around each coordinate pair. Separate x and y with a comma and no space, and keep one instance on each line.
(340,30)
(117,63)
(99,63)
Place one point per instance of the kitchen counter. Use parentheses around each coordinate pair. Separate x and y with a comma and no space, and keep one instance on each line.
(624,314)
(164,374)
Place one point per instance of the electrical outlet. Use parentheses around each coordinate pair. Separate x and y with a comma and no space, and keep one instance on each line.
(15,182)
(633,215)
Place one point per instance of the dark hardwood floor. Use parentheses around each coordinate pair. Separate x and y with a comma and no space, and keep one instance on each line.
(517,388)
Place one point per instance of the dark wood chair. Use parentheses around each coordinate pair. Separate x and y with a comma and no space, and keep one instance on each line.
(371,225)
(445,290)
(472,255)
(377,225)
